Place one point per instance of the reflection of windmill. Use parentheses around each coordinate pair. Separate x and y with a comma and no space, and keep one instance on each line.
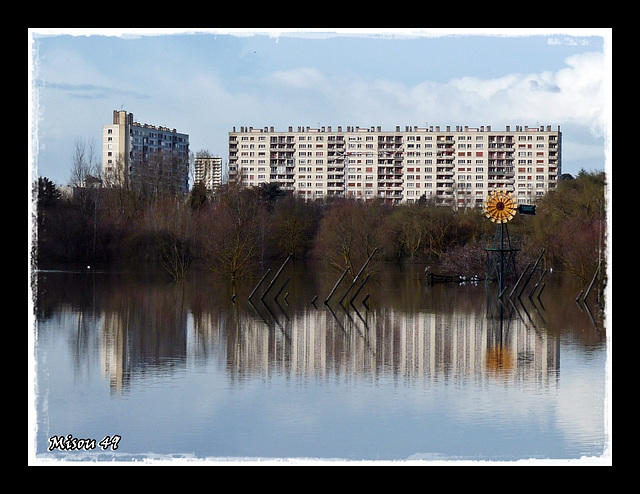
(500,208)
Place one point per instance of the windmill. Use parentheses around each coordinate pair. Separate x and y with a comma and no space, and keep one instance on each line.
(500,208)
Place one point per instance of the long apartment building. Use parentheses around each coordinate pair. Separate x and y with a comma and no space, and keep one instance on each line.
(150,154)
(446,166)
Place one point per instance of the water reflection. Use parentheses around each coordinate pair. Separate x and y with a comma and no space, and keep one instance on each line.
(149,328)
(407,346)
(143,333)
(402,370)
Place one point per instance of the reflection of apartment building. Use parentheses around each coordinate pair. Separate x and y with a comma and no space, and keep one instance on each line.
(208,170)
(418,347)
(147,154)
(446,166)
(145,340)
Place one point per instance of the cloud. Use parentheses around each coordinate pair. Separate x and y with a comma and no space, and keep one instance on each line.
(207,91)
(567,40)
(302,78)
(572,95)
(91,91)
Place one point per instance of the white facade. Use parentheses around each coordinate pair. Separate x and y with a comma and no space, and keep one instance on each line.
(208,170)
(449,167)
(145,148)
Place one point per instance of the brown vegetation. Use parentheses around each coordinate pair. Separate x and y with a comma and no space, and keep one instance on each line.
(238,228)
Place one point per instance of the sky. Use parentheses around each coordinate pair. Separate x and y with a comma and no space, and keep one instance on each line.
(205,82)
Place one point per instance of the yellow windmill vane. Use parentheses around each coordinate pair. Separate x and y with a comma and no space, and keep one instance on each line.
(500,206)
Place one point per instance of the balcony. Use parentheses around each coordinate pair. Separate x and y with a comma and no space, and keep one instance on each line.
(445,140)
(444,195)
(501,172)
(390,188)
(446,161)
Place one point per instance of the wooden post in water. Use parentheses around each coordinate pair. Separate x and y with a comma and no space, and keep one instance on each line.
(540,292)
(595,275)
(358,290)
(537,284)
(259,283)
(519,280)
(275,278)
(531,273)
(282,288)
(326,300)
(355,280)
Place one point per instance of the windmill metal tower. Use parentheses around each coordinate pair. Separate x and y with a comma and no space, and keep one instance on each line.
(501,251)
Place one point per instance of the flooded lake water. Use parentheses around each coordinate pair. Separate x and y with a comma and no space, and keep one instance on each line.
(129,367)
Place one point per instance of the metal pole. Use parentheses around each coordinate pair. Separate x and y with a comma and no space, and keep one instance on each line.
(501,280)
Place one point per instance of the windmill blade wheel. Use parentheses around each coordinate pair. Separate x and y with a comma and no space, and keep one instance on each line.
(500,207)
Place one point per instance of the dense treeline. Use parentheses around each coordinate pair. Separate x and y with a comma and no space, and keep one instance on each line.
(238,229)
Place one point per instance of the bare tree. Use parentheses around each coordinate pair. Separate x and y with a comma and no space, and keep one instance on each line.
(231,232)
(160,173)
(85,163)
(85,170)
(174,235)
(350,232)
(118,175)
